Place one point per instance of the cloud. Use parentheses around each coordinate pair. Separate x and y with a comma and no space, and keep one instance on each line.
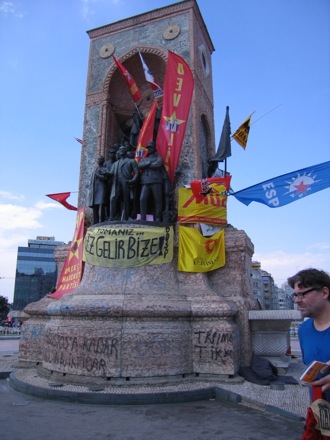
(87,9)
(282,265)
(13,63)
(11,240)
(9,8)
(320,246)
(48,205)
(7,195)
(18,217)
(15,217)
(16,223)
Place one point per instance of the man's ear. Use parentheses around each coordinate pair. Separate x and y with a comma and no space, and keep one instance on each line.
(326,292)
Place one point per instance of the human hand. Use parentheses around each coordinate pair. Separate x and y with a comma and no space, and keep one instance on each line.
(324,381)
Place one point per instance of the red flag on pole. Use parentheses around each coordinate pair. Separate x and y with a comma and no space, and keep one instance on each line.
(146,133)
(61,198)
(178,90)
(74,266)
(129,80)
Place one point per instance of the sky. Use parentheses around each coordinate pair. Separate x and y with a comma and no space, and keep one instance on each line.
(271,57)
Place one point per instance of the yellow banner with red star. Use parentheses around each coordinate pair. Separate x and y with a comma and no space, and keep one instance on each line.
(198,253)
(178,90)
(73,267)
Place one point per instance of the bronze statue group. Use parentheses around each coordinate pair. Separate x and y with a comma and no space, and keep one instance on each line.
(123,189)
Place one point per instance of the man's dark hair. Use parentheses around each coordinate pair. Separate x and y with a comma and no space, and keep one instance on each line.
(310,278)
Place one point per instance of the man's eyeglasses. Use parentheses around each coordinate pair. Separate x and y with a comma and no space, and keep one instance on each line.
(301,295)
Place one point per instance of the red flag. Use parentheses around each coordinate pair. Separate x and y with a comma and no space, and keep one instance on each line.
(212,185)
(74,266)
(129,80)
(79,140)
(61,198)
(146,134)
(156,89)
(178,90)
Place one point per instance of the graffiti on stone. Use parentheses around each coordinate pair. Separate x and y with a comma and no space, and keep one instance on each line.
(80,353)
(31,332)
(213,346)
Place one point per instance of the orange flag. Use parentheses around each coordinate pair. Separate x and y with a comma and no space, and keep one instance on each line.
(73,267)
(129,80)
(178,90)
(146,134)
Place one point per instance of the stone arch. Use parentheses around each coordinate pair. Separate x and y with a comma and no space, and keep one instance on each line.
(119,106)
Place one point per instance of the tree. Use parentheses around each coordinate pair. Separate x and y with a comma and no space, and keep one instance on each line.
(4,307)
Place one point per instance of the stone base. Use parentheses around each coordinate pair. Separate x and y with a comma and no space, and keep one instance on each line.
(150,324)
(140,339)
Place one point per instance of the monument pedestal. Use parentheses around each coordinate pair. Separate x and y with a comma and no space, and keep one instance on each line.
(149,324)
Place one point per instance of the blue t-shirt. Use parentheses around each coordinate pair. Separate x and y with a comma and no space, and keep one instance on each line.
(314,344)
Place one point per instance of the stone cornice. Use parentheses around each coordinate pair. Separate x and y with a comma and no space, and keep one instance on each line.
(156,14)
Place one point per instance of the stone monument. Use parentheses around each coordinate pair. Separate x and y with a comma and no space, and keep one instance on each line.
(149,324)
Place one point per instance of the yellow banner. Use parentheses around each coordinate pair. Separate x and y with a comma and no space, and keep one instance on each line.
(198,253)
(128,247)
(211,209)
(242,133)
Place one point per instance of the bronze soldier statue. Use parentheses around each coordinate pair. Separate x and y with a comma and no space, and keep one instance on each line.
(151,182)
(97,191)
(124,174)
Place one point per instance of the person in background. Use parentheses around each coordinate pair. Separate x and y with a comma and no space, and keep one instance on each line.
(312,295)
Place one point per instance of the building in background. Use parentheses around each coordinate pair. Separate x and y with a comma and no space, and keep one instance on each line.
(257,283)
(268,287)
(263,286)
(267,293)
(285,297)
(36,271)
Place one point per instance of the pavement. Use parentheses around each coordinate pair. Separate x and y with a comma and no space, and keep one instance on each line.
(32,407)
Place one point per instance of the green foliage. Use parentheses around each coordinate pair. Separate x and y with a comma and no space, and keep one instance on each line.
(4,307)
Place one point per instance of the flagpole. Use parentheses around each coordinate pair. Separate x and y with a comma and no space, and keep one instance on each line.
(140,115)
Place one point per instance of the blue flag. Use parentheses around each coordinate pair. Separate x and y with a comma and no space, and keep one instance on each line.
(288,188)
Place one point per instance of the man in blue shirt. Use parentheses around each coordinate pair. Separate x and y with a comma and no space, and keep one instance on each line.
(312,295)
